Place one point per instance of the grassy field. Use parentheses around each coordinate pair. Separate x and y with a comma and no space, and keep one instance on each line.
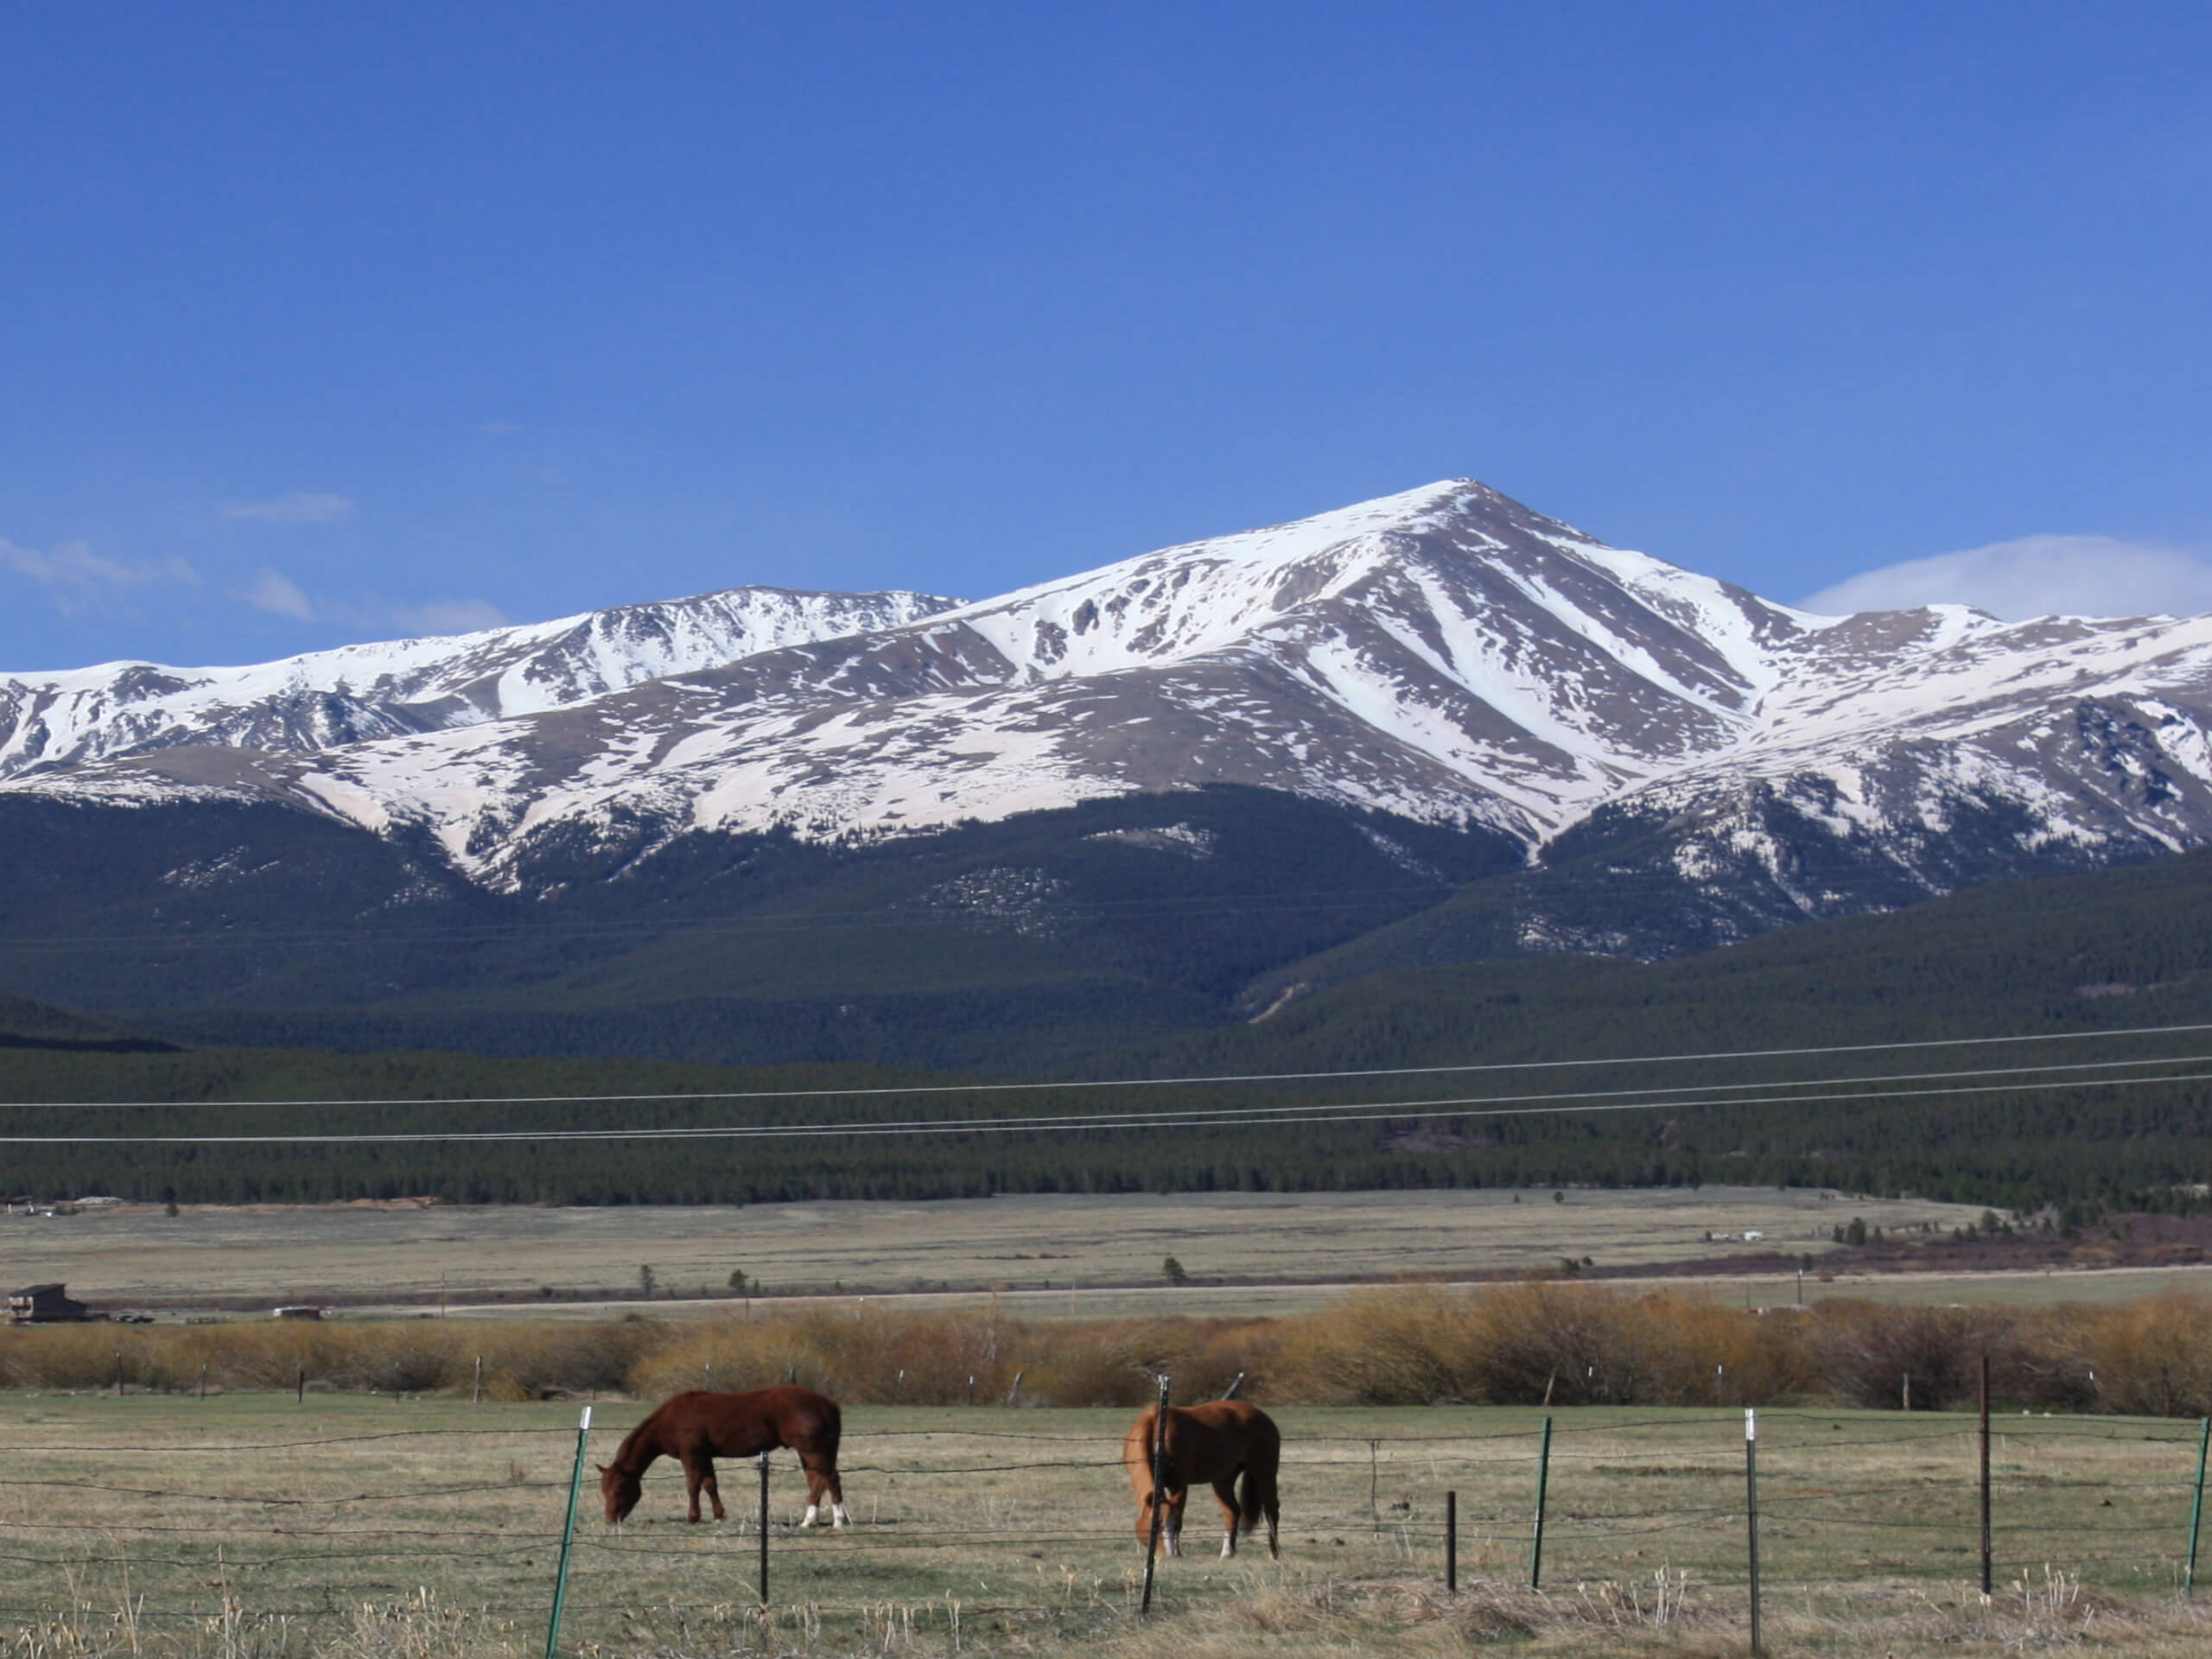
(249,1525)
(131,1254)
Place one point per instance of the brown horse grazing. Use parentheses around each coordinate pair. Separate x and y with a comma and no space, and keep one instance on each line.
(696,1427)
(1227,1442)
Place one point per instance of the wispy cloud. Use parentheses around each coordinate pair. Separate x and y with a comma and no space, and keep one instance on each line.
(300,507)
(2037,575)
(77,576)
(448,616)
(276,593)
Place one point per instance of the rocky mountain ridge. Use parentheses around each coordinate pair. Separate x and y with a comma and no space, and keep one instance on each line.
(332,698)
(1445,656)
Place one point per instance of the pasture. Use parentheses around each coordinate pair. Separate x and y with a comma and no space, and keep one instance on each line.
(249,1525)
(1084,1255)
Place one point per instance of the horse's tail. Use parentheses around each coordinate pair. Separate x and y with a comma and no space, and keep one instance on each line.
(1248,1497)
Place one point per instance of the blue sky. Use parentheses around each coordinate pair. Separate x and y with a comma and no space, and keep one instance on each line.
(326,323)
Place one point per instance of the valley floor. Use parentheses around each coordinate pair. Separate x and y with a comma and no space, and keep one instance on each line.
(1082,1254)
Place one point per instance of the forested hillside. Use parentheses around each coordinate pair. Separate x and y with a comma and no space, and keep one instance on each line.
(2064,959)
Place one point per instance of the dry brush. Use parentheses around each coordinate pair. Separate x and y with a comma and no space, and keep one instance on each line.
(1518,1345)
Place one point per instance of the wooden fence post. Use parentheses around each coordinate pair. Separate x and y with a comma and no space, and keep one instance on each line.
(1451,1544)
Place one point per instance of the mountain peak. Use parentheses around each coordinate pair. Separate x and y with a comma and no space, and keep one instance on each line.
(1445,654)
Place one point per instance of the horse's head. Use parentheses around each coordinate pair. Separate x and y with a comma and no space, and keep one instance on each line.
(1170,1502)
(621,1488)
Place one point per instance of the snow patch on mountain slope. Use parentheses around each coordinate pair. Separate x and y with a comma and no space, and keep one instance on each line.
(1445,654)
(332,698)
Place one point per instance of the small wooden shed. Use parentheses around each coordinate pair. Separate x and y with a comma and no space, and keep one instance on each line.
(44,1305)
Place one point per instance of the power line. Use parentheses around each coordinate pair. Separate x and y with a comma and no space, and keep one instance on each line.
(1348,1112)
(1232,1114)
(1223,1079)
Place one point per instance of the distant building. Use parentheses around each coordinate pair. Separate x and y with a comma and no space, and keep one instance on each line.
(43,1304)
(295,1311)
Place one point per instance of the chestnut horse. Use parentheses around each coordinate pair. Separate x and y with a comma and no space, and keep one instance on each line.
(1234,1444)
(696,1427)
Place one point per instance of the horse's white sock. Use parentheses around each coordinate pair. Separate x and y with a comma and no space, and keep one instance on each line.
(842,1516)
(1228,1545)
(811,1511)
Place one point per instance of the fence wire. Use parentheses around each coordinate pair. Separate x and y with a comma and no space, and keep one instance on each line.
(469,1519)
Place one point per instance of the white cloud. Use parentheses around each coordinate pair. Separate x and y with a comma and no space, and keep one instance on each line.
(441,616)
(2037,575)
(300,507)
(275,592)
(76,575)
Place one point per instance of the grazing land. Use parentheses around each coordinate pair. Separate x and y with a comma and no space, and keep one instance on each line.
(251,1525)
(1086,1254)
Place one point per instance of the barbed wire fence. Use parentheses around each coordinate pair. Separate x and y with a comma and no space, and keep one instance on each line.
(964,1525)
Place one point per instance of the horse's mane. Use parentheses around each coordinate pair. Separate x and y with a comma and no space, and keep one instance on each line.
(636,1438)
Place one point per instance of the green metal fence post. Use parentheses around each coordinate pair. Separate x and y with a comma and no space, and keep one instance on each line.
(567,1537)
(1751,1515)
(764,1537)
(1543,1479)
(1984,1478)
(2196,1509)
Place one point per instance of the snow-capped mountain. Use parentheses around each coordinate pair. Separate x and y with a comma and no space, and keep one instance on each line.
(1445,655)
(329,698)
